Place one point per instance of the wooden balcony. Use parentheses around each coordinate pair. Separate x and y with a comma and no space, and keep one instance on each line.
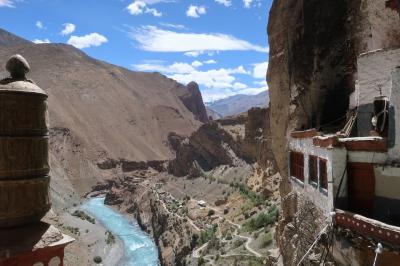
(368,228)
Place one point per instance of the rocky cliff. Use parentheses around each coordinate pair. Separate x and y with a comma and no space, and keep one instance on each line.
(172,233)
(223,142)
(193,101)
(312,71)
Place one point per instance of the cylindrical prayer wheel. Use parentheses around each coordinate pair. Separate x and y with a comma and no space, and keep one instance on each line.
(24,144)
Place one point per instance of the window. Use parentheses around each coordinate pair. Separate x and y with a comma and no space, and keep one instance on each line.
(313,169)
(297,165)
(323,174)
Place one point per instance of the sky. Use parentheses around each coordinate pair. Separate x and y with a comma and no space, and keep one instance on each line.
(220,44)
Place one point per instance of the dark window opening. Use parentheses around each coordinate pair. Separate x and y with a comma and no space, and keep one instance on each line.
(297,165)
(323,174)
(313,169)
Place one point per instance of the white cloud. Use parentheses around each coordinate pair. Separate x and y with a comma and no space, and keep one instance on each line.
(7,3)
(195,11)
(260,70)
(150,2)
(214,78)
(194,53)
(261,82)
(39,24)
(151,38)
(197,63)
(68,29)
(209,62)
(140,7)
(247,3)
(92,39)
(37,41)
(136,8)
(154,12)
(215,83)
(222,78)
(224,2)
(173,26)
(176,68)
(239,86)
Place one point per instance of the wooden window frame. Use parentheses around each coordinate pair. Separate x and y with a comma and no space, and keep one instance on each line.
(297,165)
(313,173)
(323,174)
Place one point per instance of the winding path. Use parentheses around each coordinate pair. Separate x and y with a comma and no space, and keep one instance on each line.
(196,252)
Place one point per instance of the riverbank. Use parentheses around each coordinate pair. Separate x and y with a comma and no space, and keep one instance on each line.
(139,248)
(90,241)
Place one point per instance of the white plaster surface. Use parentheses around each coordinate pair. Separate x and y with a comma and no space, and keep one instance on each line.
(336,163)
(374,72)
(394,152)
(387,182)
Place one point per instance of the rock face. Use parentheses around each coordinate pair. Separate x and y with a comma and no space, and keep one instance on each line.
(172,234)
(312,68)
(202,150)
(224,142)
(194,102)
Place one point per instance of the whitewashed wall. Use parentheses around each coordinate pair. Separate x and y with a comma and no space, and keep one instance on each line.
(374,70)
(394,152)
(336,163)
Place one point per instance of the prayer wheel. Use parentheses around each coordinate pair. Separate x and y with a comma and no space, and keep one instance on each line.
(24,144)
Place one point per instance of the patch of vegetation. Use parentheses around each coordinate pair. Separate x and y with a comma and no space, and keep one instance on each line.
(263,219)
(211,212)
(173,207)
(97,260)
(238,242)
(257,262)
(83,216)
(73,230)
(202,261)
(185,210)
(207,234)
(214,243)
(248,193)
(256,234)
(195,238)
(110,240)
(267,240)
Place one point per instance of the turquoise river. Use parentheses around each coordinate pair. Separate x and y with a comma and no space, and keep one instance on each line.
(139,248)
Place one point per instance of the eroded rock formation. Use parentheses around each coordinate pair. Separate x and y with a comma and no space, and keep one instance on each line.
(244,137)
(194,102)
(172,234)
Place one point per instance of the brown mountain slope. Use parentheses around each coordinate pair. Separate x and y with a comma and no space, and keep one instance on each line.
(9,39)
(100,111)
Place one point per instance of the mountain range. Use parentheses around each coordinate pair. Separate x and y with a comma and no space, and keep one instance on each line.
(236,104)
(99,111)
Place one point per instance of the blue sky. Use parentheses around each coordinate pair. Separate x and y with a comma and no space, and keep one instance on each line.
(220,44)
